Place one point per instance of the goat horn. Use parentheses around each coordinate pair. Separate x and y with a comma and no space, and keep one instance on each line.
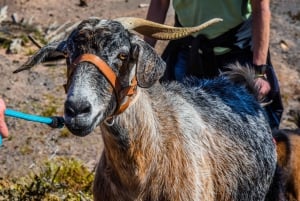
(161,31)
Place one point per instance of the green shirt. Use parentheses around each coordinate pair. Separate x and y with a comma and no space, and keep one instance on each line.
(195,12)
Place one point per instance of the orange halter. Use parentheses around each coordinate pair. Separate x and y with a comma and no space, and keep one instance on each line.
(120,92)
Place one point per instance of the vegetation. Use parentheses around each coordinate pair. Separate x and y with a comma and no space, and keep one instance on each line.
(61,179)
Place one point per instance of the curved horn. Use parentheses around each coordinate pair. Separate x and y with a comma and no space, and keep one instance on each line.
(161,31)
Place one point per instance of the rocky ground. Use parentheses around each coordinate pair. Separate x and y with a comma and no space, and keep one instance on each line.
(40,90)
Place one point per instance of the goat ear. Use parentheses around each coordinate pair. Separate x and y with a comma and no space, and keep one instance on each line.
(50,51)
(150,66)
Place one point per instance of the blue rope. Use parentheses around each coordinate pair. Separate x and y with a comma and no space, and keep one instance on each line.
(54,122)
(28,117)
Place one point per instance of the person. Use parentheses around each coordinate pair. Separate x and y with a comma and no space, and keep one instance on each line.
(242,36)
(3,126)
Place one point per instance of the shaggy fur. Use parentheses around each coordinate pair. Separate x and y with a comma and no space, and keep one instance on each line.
(202,140)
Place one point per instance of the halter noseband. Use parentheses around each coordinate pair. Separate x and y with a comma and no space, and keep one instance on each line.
(120,92)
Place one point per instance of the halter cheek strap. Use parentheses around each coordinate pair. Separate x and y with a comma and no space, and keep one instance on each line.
(120,92)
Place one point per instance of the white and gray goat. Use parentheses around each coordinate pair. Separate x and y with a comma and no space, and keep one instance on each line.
(202,140)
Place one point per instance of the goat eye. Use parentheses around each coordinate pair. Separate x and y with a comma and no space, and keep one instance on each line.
(123,56)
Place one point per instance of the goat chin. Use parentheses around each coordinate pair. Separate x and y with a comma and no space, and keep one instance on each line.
(81,132)
(81,126)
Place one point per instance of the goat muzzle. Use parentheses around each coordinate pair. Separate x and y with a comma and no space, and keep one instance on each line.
(120,92)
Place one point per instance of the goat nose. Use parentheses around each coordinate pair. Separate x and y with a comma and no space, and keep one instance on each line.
(73,108)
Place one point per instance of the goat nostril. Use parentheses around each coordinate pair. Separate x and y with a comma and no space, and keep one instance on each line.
(70,112)
(86,109)
(70,108)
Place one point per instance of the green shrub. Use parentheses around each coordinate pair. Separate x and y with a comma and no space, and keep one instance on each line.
(59,179)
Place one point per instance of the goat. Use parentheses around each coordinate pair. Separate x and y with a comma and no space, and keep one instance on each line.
(201,140)
(288,142)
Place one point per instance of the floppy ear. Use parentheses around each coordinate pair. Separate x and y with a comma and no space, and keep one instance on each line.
(149,65)
(52,50)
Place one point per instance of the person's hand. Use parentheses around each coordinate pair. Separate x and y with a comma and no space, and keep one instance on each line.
(263,87)
(3,126)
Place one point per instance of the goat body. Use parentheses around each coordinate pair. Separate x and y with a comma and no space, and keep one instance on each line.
(208,142)
(201,140)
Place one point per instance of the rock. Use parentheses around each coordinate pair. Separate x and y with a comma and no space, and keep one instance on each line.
(284,46)
(143,5)
(15,46)
(3,14)
(83,3)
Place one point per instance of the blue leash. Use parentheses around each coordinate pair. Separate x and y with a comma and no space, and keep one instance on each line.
(54,122)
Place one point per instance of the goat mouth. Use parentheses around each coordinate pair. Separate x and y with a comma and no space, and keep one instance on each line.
(78,126)
(81,128)
(80,131)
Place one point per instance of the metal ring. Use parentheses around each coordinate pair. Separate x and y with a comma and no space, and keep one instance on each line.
(107,123)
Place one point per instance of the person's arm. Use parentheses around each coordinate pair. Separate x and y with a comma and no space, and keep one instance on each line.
(261,34)
(3,126)
(157,12)
(261,30)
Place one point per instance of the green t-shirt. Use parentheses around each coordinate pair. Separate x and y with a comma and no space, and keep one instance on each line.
(195,12)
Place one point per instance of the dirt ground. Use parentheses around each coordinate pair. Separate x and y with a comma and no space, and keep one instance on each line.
(40,91)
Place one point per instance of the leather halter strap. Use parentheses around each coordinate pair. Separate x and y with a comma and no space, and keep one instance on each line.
(120,92)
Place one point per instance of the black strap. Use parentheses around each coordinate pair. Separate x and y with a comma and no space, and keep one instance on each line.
(202,61)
